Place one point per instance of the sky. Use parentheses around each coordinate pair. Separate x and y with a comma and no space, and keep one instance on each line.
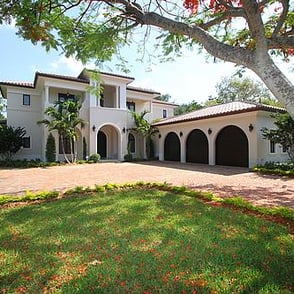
(188,78)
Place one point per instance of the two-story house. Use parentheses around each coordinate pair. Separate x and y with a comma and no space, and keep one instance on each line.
(109,126)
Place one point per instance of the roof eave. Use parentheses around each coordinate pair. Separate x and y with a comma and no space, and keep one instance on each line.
(221,114)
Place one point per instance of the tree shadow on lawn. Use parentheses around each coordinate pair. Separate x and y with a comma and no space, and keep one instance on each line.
(142,241)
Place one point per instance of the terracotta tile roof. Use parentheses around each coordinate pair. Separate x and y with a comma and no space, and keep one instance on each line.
(219,110)
(17,84)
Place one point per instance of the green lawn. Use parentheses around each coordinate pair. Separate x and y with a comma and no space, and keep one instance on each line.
(141,241)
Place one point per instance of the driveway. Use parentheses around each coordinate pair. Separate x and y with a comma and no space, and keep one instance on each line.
(223,181)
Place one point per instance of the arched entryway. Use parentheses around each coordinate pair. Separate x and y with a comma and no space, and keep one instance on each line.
(102,144)
(108,142)
(232,147)
(197,147)
(172,147)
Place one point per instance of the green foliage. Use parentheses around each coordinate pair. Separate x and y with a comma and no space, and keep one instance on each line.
(28,197)
(95,157)
(128,157)
(147,130)
(239,89)
(3,106)
(164,97)
(24,163)
(50,148)
(277,168)
(188,107)
(283,134)
(10,140)
(64,118)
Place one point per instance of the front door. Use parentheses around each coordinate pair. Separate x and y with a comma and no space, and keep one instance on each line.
(102,144)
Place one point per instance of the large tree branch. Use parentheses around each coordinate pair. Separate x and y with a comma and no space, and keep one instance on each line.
(255,23)
(218,49)
(280,42)
(282,18)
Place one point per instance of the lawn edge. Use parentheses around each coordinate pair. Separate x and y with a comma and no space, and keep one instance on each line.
(281,214)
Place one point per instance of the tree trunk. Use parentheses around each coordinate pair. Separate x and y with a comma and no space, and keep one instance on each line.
(276,82)
(63,150)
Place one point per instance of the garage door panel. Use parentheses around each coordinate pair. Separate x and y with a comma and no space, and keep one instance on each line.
(197,147)
(232,147)
(172,147)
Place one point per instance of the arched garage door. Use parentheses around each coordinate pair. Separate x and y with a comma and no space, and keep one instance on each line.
(172,147)
(197,147)
(232,147)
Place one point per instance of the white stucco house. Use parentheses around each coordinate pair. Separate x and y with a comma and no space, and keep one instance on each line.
(109,120)
(228,134)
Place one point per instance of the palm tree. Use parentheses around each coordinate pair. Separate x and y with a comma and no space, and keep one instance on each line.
(146,129)
(65,120)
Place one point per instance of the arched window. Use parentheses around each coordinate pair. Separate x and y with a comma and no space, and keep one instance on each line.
(131,143)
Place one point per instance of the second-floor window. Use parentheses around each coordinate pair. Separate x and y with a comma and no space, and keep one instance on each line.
(26,99)
(164,113)
(131,106)
(64,97)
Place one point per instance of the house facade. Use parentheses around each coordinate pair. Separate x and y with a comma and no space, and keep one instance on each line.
(109,123)
(228,134)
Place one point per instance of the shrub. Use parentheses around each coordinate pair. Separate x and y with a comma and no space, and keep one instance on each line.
(128,157)
(277,168)
(95,157)
(50,148)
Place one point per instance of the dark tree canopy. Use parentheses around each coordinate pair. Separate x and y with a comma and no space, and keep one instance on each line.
(283,134)
(245,32)
(11,140)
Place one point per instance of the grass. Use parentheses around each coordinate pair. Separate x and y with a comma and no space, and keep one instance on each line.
(141,241)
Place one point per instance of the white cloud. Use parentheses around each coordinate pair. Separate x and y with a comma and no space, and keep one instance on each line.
(64,65)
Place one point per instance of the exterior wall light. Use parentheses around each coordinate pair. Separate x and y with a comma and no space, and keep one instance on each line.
(124,129)
(250,127)
(94,128)
(209,131)
(181,133)
(159,136)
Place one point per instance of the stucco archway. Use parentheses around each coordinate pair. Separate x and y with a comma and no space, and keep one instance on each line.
(231,147)
(172,147)
(197,147)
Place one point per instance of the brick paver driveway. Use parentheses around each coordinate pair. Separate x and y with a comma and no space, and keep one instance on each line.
(223,181)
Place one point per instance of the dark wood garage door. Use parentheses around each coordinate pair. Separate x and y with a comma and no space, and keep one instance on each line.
(172,147)
(232,147)
(197,147)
